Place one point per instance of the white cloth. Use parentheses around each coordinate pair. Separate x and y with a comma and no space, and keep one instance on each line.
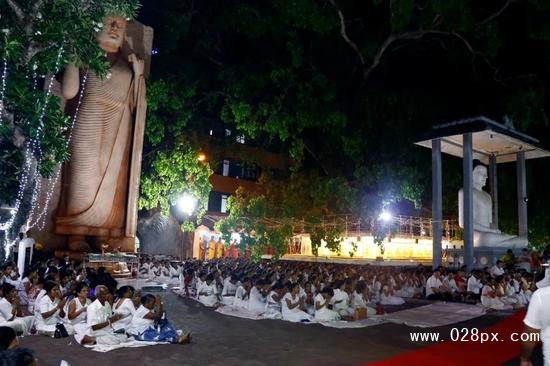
(139,324)
(22,293)
(208,294)
(391,300)
(546,280)
(474,285)
(97,314)
(492,302)
(47,325)
(433,282)
(126,308)
(228,292)
(79,323)
(272,307)
(241,298)
(496,271)
(358,301)
(256,301)
(324,314)
(340,303)
(19,324)
(295,314)
(538,317)
(80,318)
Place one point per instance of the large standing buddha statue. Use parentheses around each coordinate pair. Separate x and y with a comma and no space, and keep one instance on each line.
(101,180)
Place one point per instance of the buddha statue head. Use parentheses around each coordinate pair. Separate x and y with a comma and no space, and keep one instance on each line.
(480,177)
(111,37)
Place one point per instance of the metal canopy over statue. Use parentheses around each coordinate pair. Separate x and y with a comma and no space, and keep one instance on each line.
(491,143)
(100,185)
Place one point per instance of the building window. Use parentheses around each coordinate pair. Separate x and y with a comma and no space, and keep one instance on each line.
(240,139)
(224,204)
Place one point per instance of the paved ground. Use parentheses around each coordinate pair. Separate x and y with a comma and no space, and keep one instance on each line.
(220,340)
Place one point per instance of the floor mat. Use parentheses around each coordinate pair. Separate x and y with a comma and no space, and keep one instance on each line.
(436,314)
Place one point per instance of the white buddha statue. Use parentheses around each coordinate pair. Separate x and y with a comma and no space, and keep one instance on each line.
(486,234)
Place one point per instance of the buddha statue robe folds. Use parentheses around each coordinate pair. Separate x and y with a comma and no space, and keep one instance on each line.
(101,179)
(485,232)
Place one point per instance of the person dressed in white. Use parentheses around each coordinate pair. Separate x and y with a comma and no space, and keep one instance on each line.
(10,311)
(229,290)
(273,303)
(241,295)
(256,300)
(489,297)
(124,307)
(100,318)
(474,285)
(292,305)
(50,311)
(435,290)
(388,296)
(24,287)
(360,298)
(149,323)
(208,292)
(77,311)
(537,321)
(340,301)
(322,303)
(497,269)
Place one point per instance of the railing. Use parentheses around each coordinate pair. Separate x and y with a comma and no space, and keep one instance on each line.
(403,226)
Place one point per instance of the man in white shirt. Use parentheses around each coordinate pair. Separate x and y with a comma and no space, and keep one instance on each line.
(537,321)
(435,289)
(497,269)
(99,319)
(474,285)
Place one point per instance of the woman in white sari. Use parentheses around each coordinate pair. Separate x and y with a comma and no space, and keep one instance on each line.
(125,307)
(292,305)
(360,298)
(322,303)
(208,292)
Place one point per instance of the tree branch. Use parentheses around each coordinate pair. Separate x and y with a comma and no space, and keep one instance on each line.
(498,13)
(36,7)
(344,34)
(314,156)
(17,9)
(417,35)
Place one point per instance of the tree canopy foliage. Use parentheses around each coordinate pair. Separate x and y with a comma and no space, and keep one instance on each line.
(345,86)
(37,39)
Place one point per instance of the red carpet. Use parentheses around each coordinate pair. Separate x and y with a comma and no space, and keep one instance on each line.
(451,353)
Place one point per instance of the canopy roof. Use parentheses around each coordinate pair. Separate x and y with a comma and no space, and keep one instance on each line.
(489,138)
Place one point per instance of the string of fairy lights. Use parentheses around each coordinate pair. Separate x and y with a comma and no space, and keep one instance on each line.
(3,87)
(32,148)
(40,220)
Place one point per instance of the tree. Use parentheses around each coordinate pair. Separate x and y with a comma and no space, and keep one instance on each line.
(280,209)
(38,38)
(345,86)
(170,164)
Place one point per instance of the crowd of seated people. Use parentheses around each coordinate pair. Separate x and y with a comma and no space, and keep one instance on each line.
(302,291)
(58,299)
